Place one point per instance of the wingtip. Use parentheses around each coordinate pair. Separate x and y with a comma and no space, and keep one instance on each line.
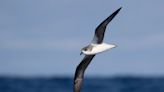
(119,9)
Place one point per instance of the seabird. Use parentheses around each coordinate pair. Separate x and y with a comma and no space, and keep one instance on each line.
(96,46)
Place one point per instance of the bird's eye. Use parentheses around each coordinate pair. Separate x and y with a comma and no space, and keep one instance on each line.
(85,49)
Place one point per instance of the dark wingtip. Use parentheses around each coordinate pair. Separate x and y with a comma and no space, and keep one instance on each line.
(118,10)
(114,14)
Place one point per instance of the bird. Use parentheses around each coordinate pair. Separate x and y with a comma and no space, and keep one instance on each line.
(96,46)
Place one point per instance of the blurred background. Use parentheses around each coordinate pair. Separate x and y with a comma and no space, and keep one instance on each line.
(40,43)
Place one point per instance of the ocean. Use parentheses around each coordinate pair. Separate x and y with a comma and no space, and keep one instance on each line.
(96,84)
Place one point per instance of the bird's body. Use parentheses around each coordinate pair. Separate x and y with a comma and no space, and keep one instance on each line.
(96,46)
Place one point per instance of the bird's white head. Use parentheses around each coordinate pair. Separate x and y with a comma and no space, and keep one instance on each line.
(84,50)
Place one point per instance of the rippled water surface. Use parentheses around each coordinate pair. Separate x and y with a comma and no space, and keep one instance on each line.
(64,84)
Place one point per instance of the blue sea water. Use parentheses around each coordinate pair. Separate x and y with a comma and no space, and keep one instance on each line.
(65,84)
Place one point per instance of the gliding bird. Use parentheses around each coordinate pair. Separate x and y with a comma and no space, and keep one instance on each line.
(96,46)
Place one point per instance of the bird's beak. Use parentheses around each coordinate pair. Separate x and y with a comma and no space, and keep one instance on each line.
(81,53)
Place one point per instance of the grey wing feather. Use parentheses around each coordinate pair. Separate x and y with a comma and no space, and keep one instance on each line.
(79,74)
(100,30)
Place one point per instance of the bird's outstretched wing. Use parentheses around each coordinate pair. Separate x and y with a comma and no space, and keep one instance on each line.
(100,30)
(79,74)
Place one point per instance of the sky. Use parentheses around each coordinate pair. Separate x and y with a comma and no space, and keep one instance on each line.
(44,37)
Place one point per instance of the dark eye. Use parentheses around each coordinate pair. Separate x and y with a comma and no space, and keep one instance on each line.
(85,49)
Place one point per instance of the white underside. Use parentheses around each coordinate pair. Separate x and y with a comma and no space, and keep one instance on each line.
(98,48)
